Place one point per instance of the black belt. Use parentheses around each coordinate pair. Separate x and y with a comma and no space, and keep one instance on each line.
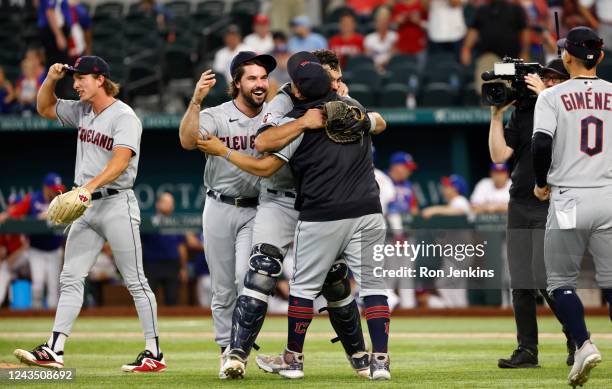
(286,194)
(101,194)
(242,202)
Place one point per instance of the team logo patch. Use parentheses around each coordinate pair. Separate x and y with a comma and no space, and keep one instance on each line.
(83,198)
(301,327)
(266,117)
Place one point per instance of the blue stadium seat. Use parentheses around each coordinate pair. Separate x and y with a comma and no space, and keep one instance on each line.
(210,7)
(439,94)
(111,9)
(358,61)
(393,95)
(362,93)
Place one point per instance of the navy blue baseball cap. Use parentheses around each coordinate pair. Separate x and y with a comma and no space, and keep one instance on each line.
(582,42)
(90,64)
(457,182)
(268,61)
(402,158)
(308,75)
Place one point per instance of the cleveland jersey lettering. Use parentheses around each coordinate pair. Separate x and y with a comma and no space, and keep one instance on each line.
(576,113)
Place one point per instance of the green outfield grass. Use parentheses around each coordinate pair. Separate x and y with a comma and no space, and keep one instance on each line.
(425,353)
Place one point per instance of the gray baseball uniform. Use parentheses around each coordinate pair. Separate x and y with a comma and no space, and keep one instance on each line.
(228,228)
(113,218)
(574,113)
(276,216)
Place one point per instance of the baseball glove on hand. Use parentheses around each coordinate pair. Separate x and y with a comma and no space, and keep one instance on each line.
(67,207)
(345,123)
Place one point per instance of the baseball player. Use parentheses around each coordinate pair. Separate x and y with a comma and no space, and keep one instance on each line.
(339,209)
(276,204)
(571,160)
(108,150)
(46,251)
(232,193)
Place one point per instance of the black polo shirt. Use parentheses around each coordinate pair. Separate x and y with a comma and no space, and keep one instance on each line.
(518,133)
(333,181)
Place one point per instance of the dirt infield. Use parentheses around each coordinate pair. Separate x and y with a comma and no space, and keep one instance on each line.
(6,365)
(188,311)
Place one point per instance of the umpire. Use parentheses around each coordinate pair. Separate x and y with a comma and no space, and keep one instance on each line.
(526,219)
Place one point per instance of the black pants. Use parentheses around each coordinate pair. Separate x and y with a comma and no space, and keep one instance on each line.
(164,274)
(526,227)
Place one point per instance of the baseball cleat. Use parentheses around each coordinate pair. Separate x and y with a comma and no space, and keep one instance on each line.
(380,366)
(586,358)
(289,364)
(41,356)
(360,362)
(521,358)
(146,363)
(234,366)
(223,356)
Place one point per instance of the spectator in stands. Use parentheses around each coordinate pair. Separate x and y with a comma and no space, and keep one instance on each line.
(410,17)
(27,87)
(575,14)
(365,7)
(446,26)
(380,44)
(492,194)
(165,255)
(280,52)
(499,29)
(54,22)
(7,94)
(261,39)
(46,250)
(603,9)
(195,245)
(540,24)
(303,38)
(454,190)
(152,9)
(80,34)
(223,57)
(348,42)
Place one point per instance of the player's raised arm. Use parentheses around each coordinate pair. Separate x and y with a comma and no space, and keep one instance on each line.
(262,167)
(275,138)
(46,98)
(190,124)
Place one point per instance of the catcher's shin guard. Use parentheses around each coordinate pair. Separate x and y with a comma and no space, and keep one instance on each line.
(265,266)
(342,309)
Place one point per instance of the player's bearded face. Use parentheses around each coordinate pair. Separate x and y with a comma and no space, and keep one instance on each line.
(254,85)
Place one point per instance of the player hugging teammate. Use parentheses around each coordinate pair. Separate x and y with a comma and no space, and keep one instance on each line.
(280,122)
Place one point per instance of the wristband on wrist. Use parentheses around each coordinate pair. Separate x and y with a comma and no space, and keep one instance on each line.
(229,152)
(372,122)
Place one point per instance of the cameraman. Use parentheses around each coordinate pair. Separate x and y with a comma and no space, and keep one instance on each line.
(526,218)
